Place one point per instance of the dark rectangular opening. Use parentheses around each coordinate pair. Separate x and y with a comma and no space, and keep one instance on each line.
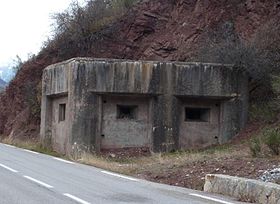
(62,112)
(197,114)
(126,111)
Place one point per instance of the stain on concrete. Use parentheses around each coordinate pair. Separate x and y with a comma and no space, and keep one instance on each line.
(161,91)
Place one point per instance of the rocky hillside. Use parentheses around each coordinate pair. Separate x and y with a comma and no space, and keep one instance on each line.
(151,29)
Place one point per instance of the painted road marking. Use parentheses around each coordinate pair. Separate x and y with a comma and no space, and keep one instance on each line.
(8,168)
(38,182)
(210,198)
(120,176)
(7,145)
(26,150)
(63,160)
(76,198)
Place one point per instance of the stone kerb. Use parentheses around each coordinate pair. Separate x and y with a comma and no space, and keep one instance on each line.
(244,189)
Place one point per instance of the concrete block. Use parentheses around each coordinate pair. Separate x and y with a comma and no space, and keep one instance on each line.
(244,189)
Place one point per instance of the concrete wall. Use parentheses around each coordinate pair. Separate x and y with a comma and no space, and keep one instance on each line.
(59,129)
(200,133)
(118,132)
(164,84)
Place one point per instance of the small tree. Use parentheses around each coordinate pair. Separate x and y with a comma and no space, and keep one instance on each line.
(272,140)
(17,64)
(255,146)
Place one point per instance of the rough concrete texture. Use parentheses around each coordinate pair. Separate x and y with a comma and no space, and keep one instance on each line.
(192,133)
(244,189)
(59,128)
(161,91)
(125,132)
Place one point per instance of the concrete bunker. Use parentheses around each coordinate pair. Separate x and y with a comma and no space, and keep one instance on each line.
(102,104)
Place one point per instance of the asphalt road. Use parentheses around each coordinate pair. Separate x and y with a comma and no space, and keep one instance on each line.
(28,177)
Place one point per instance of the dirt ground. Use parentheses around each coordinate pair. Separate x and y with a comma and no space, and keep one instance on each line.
(191,175)
(188,169)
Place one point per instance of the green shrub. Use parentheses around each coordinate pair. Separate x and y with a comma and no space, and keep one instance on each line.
(255,146)
(264,111)
(267,109)
(128,3)
(272,140)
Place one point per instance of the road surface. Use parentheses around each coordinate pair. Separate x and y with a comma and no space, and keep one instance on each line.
(28,177)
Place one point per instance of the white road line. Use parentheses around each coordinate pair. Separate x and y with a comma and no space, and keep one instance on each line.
(8,168)
(7,145)
(63,160)
(79,200)
(210,198)
(38,182)
(26,150)
(120,176)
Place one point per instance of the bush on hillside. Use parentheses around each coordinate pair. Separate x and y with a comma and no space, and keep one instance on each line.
(272,140)
(32,94)
(255,146)
(267,142)
(17,64)
(260,57)
(77,27)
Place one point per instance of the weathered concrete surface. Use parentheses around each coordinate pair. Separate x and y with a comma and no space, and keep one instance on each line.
(166,88)
(120,133)
(242,188)
(59,130)
(192,133)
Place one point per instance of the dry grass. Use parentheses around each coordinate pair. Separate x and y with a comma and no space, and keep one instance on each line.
(105,163)
(33,145)
(157,161)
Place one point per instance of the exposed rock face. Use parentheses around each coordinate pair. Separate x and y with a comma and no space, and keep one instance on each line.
(153,30)
(173,29)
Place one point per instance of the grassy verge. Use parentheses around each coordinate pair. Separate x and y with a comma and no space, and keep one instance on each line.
(156,161)
(30,145)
